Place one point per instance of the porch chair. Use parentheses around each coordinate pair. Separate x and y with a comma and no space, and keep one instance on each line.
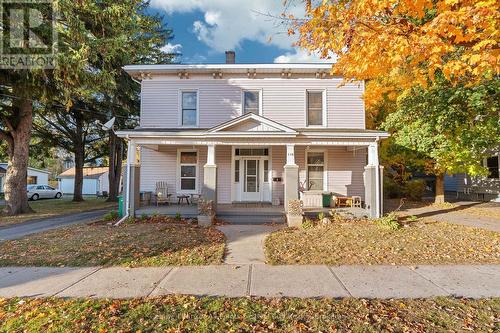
(356,201)
(161,193)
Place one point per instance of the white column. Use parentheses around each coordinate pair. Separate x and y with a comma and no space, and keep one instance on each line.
(210,155)
(132,147)
(373,154)
(290,155)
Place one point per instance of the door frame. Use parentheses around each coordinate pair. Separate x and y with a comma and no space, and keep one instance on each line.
(237,187)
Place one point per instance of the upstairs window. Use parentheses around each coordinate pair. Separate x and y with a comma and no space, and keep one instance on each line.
(315,108)
(492,165)
(189,112)
(251,101)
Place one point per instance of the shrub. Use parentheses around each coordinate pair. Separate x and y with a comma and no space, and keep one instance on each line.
(308,224)
(178,216)
(111,216)
(392,189)
(389,221)
(144,217)
(414,189)
(321,216)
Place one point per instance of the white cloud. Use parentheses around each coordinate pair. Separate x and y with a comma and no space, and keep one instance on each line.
(171,48)
(301,56)
(227,23)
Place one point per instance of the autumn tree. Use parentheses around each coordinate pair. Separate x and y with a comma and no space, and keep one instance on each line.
(402,48)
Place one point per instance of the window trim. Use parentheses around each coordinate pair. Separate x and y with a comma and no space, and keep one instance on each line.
(178,173)
(179,111)
(243,100)
(485,164)
(324,112)
(325,167)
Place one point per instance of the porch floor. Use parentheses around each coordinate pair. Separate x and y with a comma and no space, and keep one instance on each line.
(242,209)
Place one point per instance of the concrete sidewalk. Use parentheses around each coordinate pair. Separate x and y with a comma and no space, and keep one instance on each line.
(475,281)
(39,225)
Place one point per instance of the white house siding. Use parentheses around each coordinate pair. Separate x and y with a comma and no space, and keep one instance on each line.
(42,177)
(161,165)
(283,100)
(344,169)
(224,173)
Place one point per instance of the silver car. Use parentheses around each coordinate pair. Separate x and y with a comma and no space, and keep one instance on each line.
(36,192)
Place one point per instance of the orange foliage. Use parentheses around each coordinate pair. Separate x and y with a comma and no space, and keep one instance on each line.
(400,43)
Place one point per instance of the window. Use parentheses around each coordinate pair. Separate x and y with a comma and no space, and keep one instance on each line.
(189,116)
(315,108)
(251,152)
(492,165)
(251,101)
(315,170)
(188,162)
(266,171)
(32,179)
(236,171)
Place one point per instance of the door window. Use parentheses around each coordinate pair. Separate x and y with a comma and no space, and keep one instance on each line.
(315,170)
(252,176)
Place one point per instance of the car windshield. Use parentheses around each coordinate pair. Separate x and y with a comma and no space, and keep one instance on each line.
(30,187)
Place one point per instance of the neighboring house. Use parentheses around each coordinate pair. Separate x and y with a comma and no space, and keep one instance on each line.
(95,180)
(35,176)
(253,133)
(477,188)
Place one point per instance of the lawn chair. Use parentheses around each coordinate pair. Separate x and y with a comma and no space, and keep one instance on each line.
(161,193)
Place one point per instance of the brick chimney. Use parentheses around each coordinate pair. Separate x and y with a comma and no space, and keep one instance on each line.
(230,57)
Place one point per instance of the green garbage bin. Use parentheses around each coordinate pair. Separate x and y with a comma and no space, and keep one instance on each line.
(327,197)
(120,205)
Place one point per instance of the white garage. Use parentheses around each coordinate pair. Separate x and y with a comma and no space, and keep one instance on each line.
(35,176)
(95,180)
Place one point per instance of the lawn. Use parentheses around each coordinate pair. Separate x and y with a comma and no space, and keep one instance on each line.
(209,314)
(135,244)
(364,242)
(53,207)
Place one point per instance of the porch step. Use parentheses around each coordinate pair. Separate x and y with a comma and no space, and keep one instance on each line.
(252,219)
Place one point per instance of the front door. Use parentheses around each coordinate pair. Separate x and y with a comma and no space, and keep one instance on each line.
(251,180)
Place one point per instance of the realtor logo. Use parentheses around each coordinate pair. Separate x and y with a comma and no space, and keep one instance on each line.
(28,34)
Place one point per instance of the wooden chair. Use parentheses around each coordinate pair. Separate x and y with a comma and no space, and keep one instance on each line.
(356,201)
(161,193)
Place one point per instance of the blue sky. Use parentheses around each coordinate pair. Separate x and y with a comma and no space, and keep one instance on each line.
(204,29)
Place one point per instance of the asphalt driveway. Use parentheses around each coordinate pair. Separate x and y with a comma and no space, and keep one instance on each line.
(40,225)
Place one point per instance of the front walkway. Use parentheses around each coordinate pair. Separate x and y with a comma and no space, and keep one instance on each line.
(479,281)
(245,243)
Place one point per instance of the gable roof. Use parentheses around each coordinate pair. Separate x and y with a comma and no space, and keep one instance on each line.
(88,172)
(4,165)
(2,170)
(258,125)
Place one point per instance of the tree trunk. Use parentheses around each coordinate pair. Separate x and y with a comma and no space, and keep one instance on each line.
(115,166)
(18,152)
(79,158)
(439,189)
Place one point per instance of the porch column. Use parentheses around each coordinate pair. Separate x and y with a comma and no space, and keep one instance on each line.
(291,176)
(209,191)
(132,181)
(373,183)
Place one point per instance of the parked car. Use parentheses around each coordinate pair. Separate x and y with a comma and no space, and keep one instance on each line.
(36,192)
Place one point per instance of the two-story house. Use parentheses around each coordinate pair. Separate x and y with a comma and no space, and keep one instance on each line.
(253,133)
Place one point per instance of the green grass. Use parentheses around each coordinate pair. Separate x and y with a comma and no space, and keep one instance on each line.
(364,242)
(136,244)
(209,314)
(54,207)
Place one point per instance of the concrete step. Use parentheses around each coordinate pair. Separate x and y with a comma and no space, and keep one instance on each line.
(252,219)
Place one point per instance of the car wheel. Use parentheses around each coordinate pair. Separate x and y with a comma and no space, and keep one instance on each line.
(34,197)
(58,195)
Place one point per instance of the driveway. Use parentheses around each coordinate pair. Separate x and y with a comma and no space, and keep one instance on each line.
(40,225)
